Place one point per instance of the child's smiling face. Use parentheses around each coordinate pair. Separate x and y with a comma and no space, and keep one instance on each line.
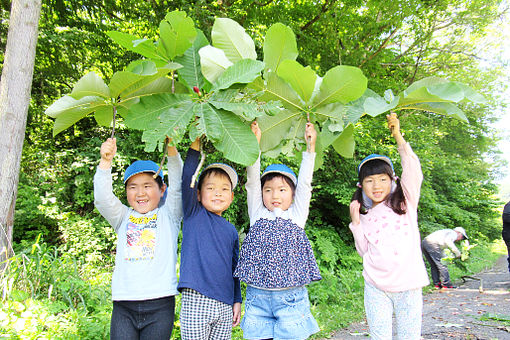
(216,193)
(143,192)
(277,193)
(377,187)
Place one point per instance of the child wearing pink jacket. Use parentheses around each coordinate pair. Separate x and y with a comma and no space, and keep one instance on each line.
(384,224)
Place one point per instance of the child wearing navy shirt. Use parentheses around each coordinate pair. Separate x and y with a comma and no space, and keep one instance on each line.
(211,296)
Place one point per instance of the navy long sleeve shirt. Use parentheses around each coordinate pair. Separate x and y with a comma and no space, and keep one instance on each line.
(210,245)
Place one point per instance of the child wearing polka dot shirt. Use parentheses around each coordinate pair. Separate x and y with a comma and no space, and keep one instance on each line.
(385,229)
(276,259)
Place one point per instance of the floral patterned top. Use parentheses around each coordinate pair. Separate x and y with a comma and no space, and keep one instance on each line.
(276,253)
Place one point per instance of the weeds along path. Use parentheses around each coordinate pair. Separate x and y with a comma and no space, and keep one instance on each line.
(467,312)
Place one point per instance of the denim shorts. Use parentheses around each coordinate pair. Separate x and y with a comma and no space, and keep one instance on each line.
(278,314)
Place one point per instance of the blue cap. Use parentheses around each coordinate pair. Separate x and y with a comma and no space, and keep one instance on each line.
(141,166)
(373,157)
(281,169)
(232,174)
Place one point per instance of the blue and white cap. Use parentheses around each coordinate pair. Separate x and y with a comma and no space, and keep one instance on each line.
(232,174)
(138,167)
(281,169)
(373,157)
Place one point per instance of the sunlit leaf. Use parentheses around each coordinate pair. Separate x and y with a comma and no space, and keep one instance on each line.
(191,73)
(279,44)
(244,71)
(232,39)
(90,85)
(341,84)
(176,34)
(141,46)
(301,79)
(213,62)
(68,111)
(344,144)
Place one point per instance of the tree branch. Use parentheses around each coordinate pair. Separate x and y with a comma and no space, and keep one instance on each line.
(381,47)
(323,10)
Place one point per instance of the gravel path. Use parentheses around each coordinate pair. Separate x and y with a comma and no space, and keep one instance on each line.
(459,313)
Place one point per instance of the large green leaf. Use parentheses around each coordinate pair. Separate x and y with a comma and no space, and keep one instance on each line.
(237,142)
(341,84)
(159,116)
(470,94)
(213,62)
(208,121)
(176,34)
(124,83)
(375,104)
(231,37)
(160,85)
(334,112)
(90,85)
(156,110)
(244,71)
(191,73)
(344,144)
(301,79)
(279,44)
(68,111)
(276,128)
(425,82)
(277,89)
(103,114)
(439,107)
(141,46)
(232,100)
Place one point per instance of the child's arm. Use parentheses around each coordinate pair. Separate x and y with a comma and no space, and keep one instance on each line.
(360,241)
(236,308)
(412,175)
(303,192)
(189,195)
(174,191)
(108,205)
(253,189)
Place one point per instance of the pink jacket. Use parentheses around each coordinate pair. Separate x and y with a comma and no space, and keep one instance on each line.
(390,243)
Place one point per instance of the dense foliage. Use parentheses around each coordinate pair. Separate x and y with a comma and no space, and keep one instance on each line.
(394,43)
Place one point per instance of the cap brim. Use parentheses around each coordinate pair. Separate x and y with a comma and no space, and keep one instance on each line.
(382,158)
(228,169)
(283,173)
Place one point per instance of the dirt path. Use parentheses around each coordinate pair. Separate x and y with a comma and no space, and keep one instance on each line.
(457,313)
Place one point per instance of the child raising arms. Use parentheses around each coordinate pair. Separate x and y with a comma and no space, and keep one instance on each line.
(144,282)
(211,296)
(276,258)
(384,223)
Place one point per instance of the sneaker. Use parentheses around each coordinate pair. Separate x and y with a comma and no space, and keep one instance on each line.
(438,286)
(449,286)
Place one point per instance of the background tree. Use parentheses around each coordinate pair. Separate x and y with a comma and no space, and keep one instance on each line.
(15,87)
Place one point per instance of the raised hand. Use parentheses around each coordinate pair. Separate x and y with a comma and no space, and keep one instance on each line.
(107,151)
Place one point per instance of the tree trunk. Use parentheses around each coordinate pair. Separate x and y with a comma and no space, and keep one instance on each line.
(15,86)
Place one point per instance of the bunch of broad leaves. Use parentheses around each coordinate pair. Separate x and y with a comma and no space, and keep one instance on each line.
(204,94)
(335,101)
(187,86)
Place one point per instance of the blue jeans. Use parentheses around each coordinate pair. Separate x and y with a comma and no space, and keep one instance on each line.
(145,319)
(278,314)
